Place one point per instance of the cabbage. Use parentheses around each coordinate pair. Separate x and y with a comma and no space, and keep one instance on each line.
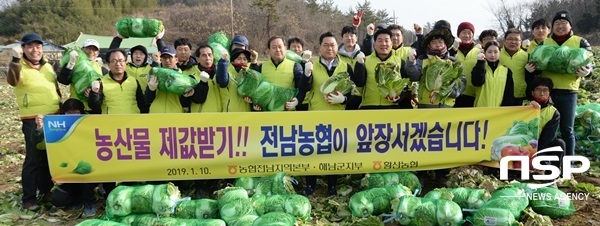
(141,199)
(219,38)
(275,219)
(197,209)
(494,216)
(361,204)
(293,56)
(465,197)
(398,191)
(421,211)
(298,206)
(168,221)
(231,193)
(509,198)
(477,197)
(389,80)
(410,180)
(250,83)
(439,78)
(218,50)
(165,198)
(118,202)
(83,71)
(258,201)
(235,209)
(275,203)
(277,184)
(139,27)
(98,222)
(558,204)
(243,221)
(406,209)
(340,82)
(173,81)
(83,167)
(560,59)
(247,183)
(380,180)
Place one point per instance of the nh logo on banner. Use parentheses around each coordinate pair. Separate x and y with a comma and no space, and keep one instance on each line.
(536,161)
(57,125)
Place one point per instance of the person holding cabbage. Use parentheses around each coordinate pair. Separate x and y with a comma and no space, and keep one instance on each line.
(515,58)
(161,101)
(492,78)
(226,70)
(440,76)
(387,75)
(540,30)
(207,96)
(566,85)
(91,48)
(332,84)
(466,53)
(281,72)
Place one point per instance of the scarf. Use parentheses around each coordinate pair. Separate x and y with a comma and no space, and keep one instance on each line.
(440,53)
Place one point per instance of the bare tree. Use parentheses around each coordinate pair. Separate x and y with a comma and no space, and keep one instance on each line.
(510,15)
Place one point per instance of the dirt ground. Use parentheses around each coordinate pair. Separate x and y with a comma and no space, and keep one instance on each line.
(12,154)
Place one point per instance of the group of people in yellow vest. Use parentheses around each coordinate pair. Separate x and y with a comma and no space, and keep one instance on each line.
(494,75)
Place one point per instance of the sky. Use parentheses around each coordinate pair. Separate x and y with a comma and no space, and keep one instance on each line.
(476,12)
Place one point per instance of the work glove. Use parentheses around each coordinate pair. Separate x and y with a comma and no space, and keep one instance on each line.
(291,105)
(308,67)
(481,56)
(160,34)
(336,98)
(360,57)
(248,100)
(412,54)
(256,107)
(357,18)
(156,57)
(418,29)
(371,29)
(306,55)
(253,56)
(525,44)
(456,44)
(583,71)
(96,86)
(392,99)
(204,77)
(153,83)
(530,67)
(17,52)
(189,93)
(72,59)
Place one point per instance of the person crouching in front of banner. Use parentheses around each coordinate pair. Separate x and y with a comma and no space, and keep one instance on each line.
(36,89)
(539,97)
(73,195)
(315,75)
(493,78)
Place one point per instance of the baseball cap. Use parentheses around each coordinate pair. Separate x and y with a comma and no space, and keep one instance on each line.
(31,37)
(91,42)
(168,50)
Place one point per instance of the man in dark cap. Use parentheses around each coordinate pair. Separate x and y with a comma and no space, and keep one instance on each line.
(566,86)
(36,89)
(440,24)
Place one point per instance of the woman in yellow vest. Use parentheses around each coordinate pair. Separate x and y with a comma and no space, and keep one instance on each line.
(37,93)
(230,99)
(466,53)
(92,50)
(566,86)
(492,78)
(436,44)
(281,72)
(539,95)
(117,93)
(207,94)
(161,101)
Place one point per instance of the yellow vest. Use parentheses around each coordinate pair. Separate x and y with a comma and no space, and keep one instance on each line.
(230,99)
(402,52)
(165,102)
(139,73)
(423,93)
(98,69)
(36,94)
(119,98)
(282,75)
(546,115)
(491,93)
(516,64)
(320,75)
(532,46)
(564,81)
(213,97)
(468,63)
(370,94)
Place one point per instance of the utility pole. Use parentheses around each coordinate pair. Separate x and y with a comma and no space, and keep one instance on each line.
(231,7)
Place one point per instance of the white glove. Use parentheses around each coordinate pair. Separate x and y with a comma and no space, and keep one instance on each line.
(418,29)
(153,83)
(256,107)
(480,56)
(308,67)
(306,55)
(583,71)
(189,93)
(160,34)
(336,98)
(96,86)
(224,56)
(412,54)
(72,59)
(248,100)
(360,57)
(253,56)
(456,44)
(392,99)
(204,77)
(17,52)
(525,44)
(291,105)
(530,67)
(370,29)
